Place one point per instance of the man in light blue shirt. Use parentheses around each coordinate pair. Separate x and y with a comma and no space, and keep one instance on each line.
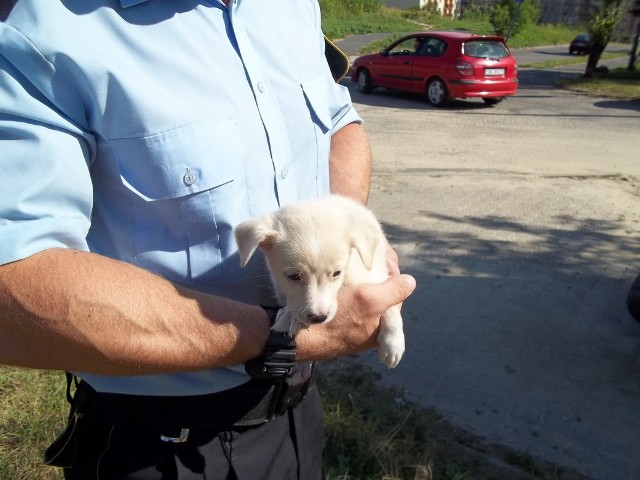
(134,135)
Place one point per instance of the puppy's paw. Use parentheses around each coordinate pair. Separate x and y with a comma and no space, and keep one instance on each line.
(286,322)
(391,339)
(391,349)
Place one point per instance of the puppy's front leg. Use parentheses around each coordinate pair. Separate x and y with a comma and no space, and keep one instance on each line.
(391,338)
(286,322)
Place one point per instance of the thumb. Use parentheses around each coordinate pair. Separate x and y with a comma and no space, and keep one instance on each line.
(397,288)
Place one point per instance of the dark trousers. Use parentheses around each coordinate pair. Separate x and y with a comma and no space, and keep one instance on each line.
(115,447)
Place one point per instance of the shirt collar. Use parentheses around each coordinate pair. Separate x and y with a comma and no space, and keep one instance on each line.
(131,3)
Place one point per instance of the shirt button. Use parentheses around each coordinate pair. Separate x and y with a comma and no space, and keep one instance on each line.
(261,87)
(190,178)
(284,172)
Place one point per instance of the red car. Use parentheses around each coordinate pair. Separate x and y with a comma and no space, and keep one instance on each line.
(442,66)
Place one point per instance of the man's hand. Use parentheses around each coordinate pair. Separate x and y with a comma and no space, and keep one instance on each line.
(393,263)
(356,324)
(355,327)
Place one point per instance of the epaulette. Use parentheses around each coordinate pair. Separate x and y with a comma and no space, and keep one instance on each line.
(5,8)
(336,58)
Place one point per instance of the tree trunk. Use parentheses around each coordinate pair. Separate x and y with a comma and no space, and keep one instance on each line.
(634,47)
(594,58)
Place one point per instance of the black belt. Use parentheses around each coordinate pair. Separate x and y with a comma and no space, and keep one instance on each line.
(172,418)
(249,404)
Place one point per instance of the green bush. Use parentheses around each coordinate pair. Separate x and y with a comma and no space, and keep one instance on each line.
(475,13)
(508,18)
(423,15)
(500,18)
(354,7)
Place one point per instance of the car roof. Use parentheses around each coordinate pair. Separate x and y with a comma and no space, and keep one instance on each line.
(454,35)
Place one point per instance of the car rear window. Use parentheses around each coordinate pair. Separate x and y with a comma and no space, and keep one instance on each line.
(485,49)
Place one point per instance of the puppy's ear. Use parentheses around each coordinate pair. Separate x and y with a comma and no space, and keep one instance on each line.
(365,237)
(252,234)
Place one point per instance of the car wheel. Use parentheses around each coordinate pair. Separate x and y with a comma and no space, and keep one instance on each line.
(493,100)
(364,81)
(437,94)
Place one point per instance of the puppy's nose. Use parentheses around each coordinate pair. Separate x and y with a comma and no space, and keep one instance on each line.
(313,318)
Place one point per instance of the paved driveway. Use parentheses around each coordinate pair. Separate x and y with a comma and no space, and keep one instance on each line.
(521,224)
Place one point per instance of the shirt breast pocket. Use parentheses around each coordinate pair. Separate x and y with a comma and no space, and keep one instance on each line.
(187,189)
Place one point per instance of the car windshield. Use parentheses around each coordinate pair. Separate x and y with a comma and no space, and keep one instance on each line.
(485,49)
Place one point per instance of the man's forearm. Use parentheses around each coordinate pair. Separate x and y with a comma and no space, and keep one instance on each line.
(350,162)
(69,310)
(77,311)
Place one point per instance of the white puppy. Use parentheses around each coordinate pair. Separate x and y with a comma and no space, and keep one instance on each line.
(312,248)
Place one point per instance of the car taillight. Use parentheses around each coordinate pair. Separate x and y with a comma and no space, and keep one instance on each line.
(464,68)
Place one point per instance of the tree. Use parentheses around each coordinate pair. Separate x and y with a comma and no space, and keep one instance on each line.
(508,17)
(604,20)
(635,11)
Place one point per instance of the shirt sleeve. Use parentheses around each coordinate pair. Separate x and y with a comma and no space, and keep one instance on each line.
(342,110)
(46,192)
(346,113)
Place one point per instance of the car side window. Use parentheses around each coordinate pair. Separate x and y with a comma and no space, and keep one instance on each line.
(432,47)
(409,46)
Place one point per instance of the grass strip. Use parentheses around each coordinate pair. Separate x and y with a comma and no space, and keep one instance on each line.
(619,83)
(33,411)
(374,433)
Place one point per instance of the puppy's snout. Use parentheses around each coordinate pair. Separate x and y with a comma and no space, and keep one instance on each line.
(316,318)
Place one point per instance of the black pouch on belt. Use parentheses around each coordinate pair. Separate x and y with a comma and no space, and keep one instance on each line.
(63,449)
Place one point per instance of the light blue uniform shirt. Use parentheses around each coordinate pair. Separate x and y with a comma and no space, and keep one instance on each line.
(145,130)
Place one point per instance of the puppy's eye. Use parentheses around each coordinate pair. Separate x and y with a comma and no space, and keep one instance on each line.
(294,277)
(337,274)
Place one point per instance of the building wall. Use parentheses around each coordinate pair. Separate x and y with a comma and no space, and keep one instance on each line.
(570,12)
(447,7)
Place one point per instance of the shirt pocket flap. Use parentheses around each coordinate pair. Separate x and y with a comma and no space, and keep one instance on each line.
(180,162)
(316,95)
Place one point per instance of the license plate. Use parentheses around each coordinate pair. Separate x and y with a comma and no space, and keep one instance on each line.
(493,72)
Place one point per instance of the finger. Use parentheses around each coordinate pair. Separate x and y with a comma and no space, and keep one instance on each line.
(393,263)
(394,290)
(404,286)
(393,266)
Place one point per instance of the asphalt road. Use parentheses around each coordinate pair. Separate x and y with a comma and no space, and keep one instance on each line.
(521,224)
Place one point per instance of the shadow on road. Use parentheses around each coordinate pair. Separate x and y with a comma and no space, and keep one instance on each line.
(565,250)
(540,334)
(530,79)
(632,105)
(381,97)
(543,79)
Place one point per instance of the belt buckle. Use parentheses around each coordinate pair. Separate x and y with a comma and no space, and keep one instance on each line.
(182,438)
